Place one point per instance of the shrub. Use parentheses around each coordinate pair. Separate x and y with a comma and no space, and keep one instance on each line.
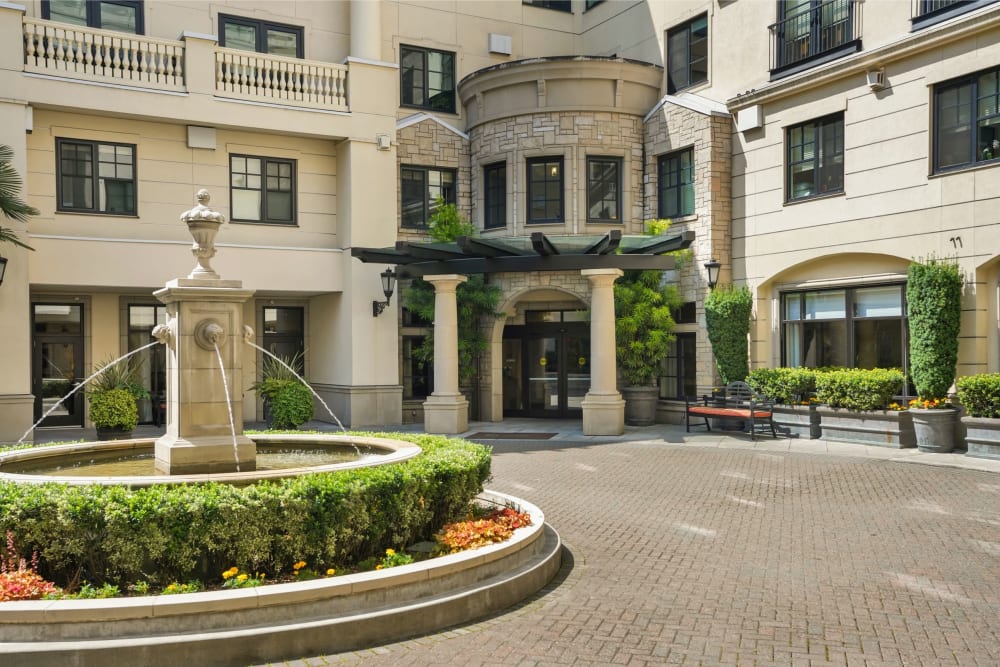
(643,324)
(114,408)
(980,394)
(475,533)
(18,579)
(727,318)
(783,385)
(164,534)
(858,388)
(291,404)
(934,311)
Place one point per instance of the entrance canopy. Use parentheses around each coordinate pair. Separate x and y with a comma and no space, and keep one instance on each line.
(538,252)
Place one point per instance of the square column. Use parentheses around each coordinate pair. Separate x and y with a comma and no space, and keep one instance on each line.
(603,406)
(446,411)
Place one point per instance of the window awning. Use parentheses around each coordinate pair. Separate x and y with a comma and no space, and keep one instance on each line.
(538,252)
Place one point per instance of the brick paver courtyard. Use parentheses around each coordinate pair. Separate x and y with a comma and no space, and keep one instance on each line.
(694,555)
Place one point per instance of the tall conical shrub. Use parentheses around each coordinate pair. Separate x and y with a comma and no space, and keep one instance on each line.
(934,312)
(727,317)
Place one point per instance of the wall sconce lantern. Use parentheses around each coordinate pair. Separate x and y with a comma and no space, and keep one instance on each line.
(3,268)
(388,285)
(712,266)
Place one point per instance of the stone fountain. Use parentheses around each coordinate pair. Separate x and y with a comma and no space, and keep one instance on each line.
(204,428)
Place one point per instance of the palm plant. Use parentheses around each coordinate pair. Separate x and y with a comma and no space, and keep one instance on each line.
(11,204)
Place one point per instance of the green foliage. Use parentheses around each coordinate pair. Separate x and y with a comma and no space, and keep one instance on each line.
(727,318)
(934,311)
(115,409)
(859,388)
(169,533)
(980,394)
(644,324)
(119,374)
(289,401)
(11,204)
(787,386)
(90,592)
(447,224)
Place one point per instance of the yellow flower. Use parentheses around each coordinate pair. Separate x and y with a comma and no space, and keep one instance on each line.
(231,572)
(331,572)
(241,578)
(378,567)
(390,552)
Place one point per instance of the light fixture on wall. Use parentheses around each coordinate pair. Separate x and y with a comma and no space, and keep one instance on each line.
(875,79)
(388,285)
(712,266)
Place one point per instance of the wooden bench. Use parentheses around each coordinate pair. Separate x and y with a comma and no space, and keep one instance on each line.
(738,401)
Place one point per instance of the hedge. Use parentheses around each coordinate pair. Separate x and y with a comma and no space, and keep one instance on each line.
(787,386)
(857,388)
(980,394)
(934,313)
(119,535)
(727,318)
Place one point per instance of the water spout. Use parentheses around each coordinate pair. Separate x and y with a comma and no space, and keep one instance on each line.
(229,405)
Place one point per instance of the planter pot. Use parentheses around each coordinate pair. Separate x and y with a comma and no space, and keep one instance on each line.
(883,428)
(934,429)
(106,433)
(797,421)
(640,405)
(982,437)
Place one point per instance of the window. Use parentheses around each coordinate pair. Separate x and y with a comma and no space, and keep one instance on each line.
(678,375)
(559,5)
(861,327)
(262,189)
(590,4)
(929,12)
(284,334)
(495,195)
(96,177)
(604,186)
(807,30)
(967,121)
(417,372)
(686,313)
(545,189)
(816,158)
(676,183)
(152,361)
(427,79)
(237,32)
(687,54)
(119,15)
(420,189)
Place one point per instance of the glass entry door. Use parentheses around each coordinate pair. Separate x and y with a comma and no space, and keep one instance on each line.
(57,362)
(546,371)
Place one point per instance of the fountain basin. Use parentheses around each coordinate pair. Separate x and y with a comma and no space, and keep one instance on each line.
(386,451)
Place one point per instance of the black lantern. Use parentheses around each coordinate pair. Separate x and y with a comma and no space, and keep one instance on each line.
(388,285)
(3,268)
(713,267)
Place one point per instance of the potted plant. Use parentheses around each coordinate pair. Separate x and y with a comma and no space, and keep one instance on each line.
(727,318)
(113,394)
(934,310)
(857,406)
(287,402)
(980,396)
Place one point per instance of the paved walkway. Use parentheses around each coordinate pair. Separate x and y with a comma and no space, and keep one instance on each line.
(707,549)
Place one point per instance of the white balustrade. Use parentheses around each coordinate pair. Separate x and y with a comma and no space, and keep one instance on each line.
(262,77)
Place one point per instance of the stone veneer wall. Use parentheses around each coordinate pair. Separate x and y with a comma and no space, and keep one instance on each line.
(430,144)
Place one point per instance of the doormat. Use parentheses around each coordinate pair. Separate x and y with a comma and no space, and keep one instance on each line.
(509,435)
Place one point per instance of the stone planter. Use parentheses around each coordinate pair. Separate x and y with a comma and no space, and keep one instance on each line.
(640,405)
(982,436)
(797,421)
(884,428)
(934,429)
(111,433)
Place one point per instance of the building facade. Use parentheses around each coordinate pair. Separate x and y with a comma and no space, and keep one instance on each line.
(813,147)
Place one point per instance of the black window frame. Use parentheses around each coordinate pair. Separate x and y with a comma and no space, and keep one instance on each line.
(428,204)
(821,128)
(95,177)
(926,13)
(820,31)
(684,33)
(683,357)
(94,13)
(293,190)
(977,152)
(406,100)
(670,196)
(531,187)
(555,5)
(495,195)
(615,217)
(262,27)
(590,4)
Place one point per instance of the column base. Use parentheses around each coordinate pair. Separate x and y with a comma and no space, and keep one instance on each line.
(212,454)
(603,414)
(447,415)
(16,416)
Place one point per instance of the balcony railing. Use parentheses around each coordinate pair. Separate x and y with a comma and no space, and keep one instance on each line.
(77,52)
(102,55)
(924,13)
(815,33)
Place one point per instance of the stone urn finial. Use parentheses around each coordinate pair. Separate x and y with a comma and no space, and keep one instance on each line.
(203,223)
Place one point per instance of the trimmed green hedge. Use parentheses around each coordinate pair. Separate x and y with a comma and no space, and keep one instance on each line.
(787,386)
(857,388)
(980,394)
(727,318)
(161,534)
(934,314)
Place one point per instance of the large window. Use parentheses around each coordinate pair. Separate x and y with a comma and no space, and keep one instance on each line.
(676,184)
(604,187)
(420,189)
(545,189)
(495,195)
(237,32)
(427,78)
(860,327)
(967,121)
(815,158)
(678,376)
(687,54)
(262,189)
(96,177)
(117,15)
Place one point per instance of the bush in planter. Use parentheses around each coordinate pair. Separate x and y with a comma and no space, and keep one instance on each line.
(934,310)
(644,324)
(980,395)
(858,388)
(787,386)
(114,409)
(289,402)
(727,318)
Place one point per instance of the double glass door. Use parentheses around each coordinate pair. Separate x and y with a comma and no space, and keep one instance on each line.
(546,370)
